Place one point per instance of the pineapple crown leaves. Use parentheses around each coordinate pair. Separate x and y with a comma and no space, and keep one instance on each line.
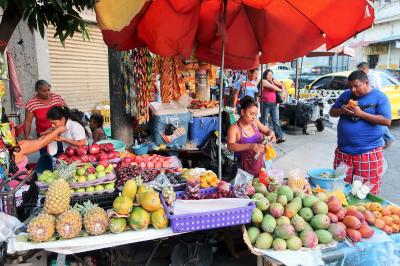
(85,207)
(66,171)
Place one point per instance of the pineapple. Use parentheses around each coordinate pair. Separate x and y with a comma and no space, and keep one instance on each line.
(95,219)
(41,228)
(69,224)
(58,195)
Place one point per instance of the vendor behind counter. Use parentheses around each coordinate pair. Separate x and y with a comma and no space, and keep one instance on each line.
(245,137)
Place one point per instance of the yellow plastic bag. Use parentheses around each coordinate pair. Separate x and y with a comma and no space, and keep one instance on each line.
(269,152)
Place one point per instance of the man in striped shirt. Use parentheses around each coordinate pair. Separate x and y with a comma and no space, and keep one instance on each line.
(38,106)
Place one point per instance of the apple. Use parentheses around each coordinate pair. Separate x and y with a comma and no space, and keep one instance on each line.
(100,168)
(87,165)
(92,158)
(127,160)
(81,151)
(72,191)
(80,171)
(80,190)
(94,149)
(166,164)
(91,177)
(109,186)
(91,170)
(143,165)
(82,179)
(138,159)
(76,159)
(85,158)
(90,189)
(150,165)
(99,188)
(47,172)
(158,165)
(101,174)
(50,179)
(70,151)
(62,157)
(104,163)
(113,155)
(109,169)
(42,178)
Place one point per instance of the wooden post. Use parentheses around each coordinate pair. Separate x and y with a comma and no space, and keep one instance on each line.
(121,123)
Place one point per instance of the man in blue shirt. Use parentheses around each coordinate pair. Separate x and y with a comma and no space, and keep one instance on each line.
(364,113)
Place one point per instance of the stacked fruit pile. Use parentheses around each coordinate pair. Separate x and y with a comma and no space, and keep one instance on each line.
(386,218)
(138,206)
(152,162)
(126,172)
(59,217)
(86,179)
(93,153)
(290,220)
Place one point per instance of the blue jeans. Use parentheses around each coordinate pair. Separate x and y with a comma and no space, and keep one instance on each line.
(273,110)
(387,136)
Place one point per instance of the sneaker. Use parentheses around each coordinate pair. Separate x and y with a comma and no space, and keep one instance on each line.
(280,140)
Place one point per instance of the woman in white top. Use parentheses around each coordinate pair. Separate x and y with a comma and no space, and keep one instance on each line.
(75,134)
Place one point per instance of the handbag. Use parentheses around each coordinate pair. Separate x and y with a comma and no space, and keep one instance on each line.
(279,98)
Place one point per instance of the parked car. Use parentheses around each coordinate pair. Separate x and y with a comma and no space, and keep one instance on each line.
(332,85)
(287,81)
(281,68)
(309,74)
(395,72)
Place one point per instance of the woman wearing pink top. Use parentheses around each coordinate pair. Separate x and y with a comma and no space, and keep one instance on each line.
(270,105)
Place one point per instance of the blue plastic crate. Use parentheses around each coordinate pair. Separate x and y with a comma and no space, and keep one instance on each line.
(200,129)
(159,122)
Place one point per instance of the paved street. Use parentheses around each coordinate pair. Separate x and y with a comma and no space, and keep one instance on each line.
(316,151)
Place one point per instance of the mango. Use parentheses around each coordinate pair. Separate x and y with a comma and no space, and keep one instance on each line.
(323,196)
(282,220)
(309,239)
(285,231)
(292,209)
(299,193)
(260,188)
(369,217)
(262,204)
(351,222)
(272,197)
(309,200)
(257,196)
(268,223)
(253,233)
(340,214)
(353,234)
(298,223)
(306,213)
(320,221)
(282,200)
(324,237)
(257,216)
(287,191)
(279,244)
(356,214)
(276,209)
(366,231)
(264,241)
(333,217)
(334,204)
(307,227)
(337,231)
(320,207)
(294,243)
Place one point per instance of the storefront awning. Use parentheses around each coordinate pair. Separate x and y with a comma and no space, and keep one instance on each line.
(386,40)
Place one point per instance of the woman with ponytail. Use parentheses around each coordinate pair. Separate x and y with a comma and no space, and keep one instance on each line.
(75,135)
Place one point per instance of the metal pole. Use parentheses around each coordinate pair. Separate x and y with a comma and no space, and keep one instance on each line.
(221,87)
(262,88)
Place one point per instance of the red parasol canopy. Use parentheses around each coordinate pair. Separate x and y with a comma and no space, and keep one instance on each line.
(278,30)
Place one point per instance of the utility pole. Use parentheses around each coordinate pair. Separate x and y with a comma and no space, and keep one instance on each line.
(121,123)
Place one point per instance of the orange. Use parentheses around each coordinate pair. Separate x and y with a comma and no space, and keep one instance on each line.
(204,185)
(380,224)
(388,220)
(375,206)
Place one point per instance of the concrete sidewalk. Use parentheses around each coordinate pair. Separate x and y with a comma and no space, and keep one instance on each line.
(306,152)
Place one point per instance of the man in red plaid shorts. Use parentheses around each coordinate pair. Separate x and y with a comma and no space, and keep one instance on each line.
(364,113)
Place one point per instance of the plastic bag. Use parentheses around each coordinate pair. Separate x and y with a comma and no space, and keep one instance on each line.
(242,177)
(341,170)
(160,182)
(8,225)
(296,180)
(269,152)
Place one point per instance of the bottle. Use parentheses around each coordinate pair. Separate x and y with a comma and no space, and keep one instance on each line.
(263,178)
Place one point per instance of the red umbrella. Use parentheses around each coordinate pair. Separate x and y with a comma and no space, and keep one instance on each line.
(280,30)
(233,32)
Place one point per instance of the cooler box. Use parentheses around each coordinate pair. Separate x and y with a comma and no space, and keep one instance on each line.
(169,113)
(200,129)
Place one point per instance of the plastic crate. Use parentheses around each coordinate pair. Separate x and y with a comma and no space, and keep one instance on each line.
(104,200)
(200,129)
(208,220)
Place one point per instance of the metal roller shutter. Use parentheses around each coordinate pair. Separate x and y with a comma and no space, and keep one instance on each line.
(79,71)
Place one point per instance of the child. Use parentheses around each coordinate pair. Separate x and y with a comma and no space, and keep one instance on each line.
(96,125)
